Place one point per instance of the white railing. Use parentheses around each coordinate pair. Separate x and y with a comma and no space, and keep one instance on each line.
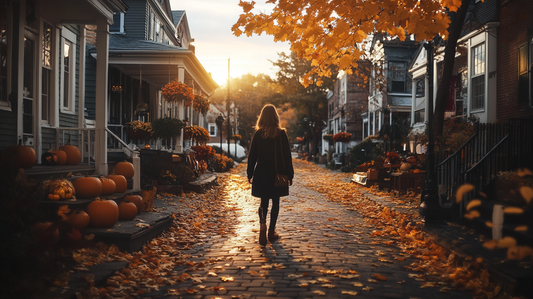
(82,138)
(85,140)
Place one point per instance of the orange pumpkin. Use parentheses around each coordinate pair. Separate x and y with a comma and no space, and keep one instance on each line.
(125,168)
(137,200)
(79,219)
(127,210)
(24,155)
(108,186)
(87,187)
(73,153)
(61,156)
(120,182)
(103,213)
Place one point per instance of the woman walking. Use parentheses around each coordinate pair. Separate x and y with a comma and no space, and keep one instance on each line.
(269,154)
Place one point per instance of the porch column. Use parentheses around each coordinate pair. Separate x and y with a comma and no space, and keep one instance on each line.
(181,113)
(102,54)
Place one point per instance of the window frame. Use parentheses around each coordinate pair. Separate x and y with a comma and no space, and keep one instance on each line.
(120,25)
(478,78)
(5,104)
(68,102)
(212,125)
(390,72)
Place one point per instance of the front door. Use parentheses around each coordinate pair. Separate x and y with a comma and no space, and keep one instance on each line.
(29,90)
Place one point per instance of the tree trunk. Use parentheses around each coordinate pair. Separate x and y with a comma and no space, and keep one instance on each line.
(449,60)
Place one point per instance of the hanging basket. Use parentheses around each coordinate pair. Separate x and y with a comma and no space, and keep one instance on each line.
(176,91)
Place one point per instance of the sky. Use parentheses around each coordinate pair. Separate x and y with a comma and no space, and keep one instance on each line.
(210,23)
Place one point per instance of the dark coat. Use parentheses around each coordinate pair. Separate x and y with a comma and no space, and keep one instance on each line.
(261,164)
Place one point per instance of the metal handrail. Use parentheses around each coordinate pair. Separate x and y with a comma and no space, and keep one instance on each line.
(124,145)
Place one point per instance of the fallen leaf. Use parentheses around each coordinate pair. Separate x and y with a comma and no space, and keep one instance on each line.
(379,277)
(353,293)
(461,191)
(357,284)
(319,293)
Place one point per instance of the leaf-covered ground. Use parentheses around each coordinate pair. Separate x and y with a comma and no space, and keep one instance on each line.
(338,240)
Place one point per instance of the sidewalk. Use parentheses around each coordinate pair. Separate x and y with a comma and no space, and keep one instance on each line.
(327,250)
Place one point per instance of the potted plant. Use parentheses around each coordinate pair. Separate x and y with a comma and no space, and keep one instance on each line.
(167,127)
(201,104)
(198,134)
(176,91)
(342,137)
(328,137)
(139,130)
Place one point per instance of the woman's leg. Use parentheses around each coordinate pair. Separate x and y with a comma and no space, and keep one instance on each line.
(272,235)
(263,210)
(274,213)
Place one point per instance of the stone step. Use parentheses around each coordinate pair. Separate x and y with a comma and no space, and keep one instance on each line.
(133,234)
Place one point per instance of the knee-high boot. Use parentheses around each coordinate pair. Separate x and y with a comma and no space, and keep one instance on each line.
(262,228)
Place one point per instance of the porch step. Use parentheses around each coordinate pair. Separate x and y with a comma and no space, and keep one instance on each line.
(44,172)
(203,183)
(132,235)
(81,204)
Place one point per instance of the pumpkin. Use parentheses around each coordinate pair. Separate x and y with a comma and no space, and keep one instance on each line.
(405,167)
(61,156)
(79,219)
(146,146)
(120,182)
(87,187)
(103,213)
(108,186)
(49,158)
(73,153)
(125,168)
(127,210)
(60,189)
(24,155)
(137,200)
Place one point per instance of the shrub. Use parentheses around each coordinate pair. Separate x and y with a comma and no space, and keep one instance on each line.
(203,152)
(221,163)
(371,151)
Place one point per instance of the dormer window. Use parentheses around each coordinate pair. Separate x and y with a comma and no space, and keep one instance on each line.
(118,23)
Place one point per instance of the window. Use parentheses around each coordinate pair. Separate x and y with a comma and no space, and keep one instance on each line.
(420,116)
(525,65)
(478,77)
(68,71)
(46,65)
(118,23)
(397,75)
(420,88)
(4,102)
(212,129)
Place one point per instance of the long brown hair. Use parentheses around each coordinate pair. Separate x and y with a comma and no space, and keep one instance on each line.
(268,122)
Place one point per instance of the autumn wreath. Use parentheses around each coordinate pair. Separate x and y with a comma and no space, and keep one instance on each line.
(177,91)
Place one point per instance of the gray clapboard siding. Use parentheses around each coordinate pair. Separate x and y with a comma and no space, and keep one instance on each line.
(135,19)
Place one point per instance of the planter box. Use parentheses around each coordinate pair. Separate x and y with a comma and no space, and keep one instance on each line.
(372,175)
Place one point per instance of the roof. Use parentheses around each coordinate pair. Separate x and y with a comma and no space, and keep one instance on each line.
(123,42)
(176,16)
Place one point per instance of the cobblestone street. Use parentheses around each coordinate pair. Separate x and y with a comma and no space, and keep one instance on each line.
(326,250)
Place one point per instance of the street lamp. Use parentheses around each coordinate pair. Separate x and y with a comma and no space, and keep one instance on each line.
(430,206)
(219,121)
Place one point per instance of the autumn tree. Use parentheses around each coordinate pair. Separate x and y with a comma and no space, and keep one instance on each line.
(249,93)
(309,102)
(332,32)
